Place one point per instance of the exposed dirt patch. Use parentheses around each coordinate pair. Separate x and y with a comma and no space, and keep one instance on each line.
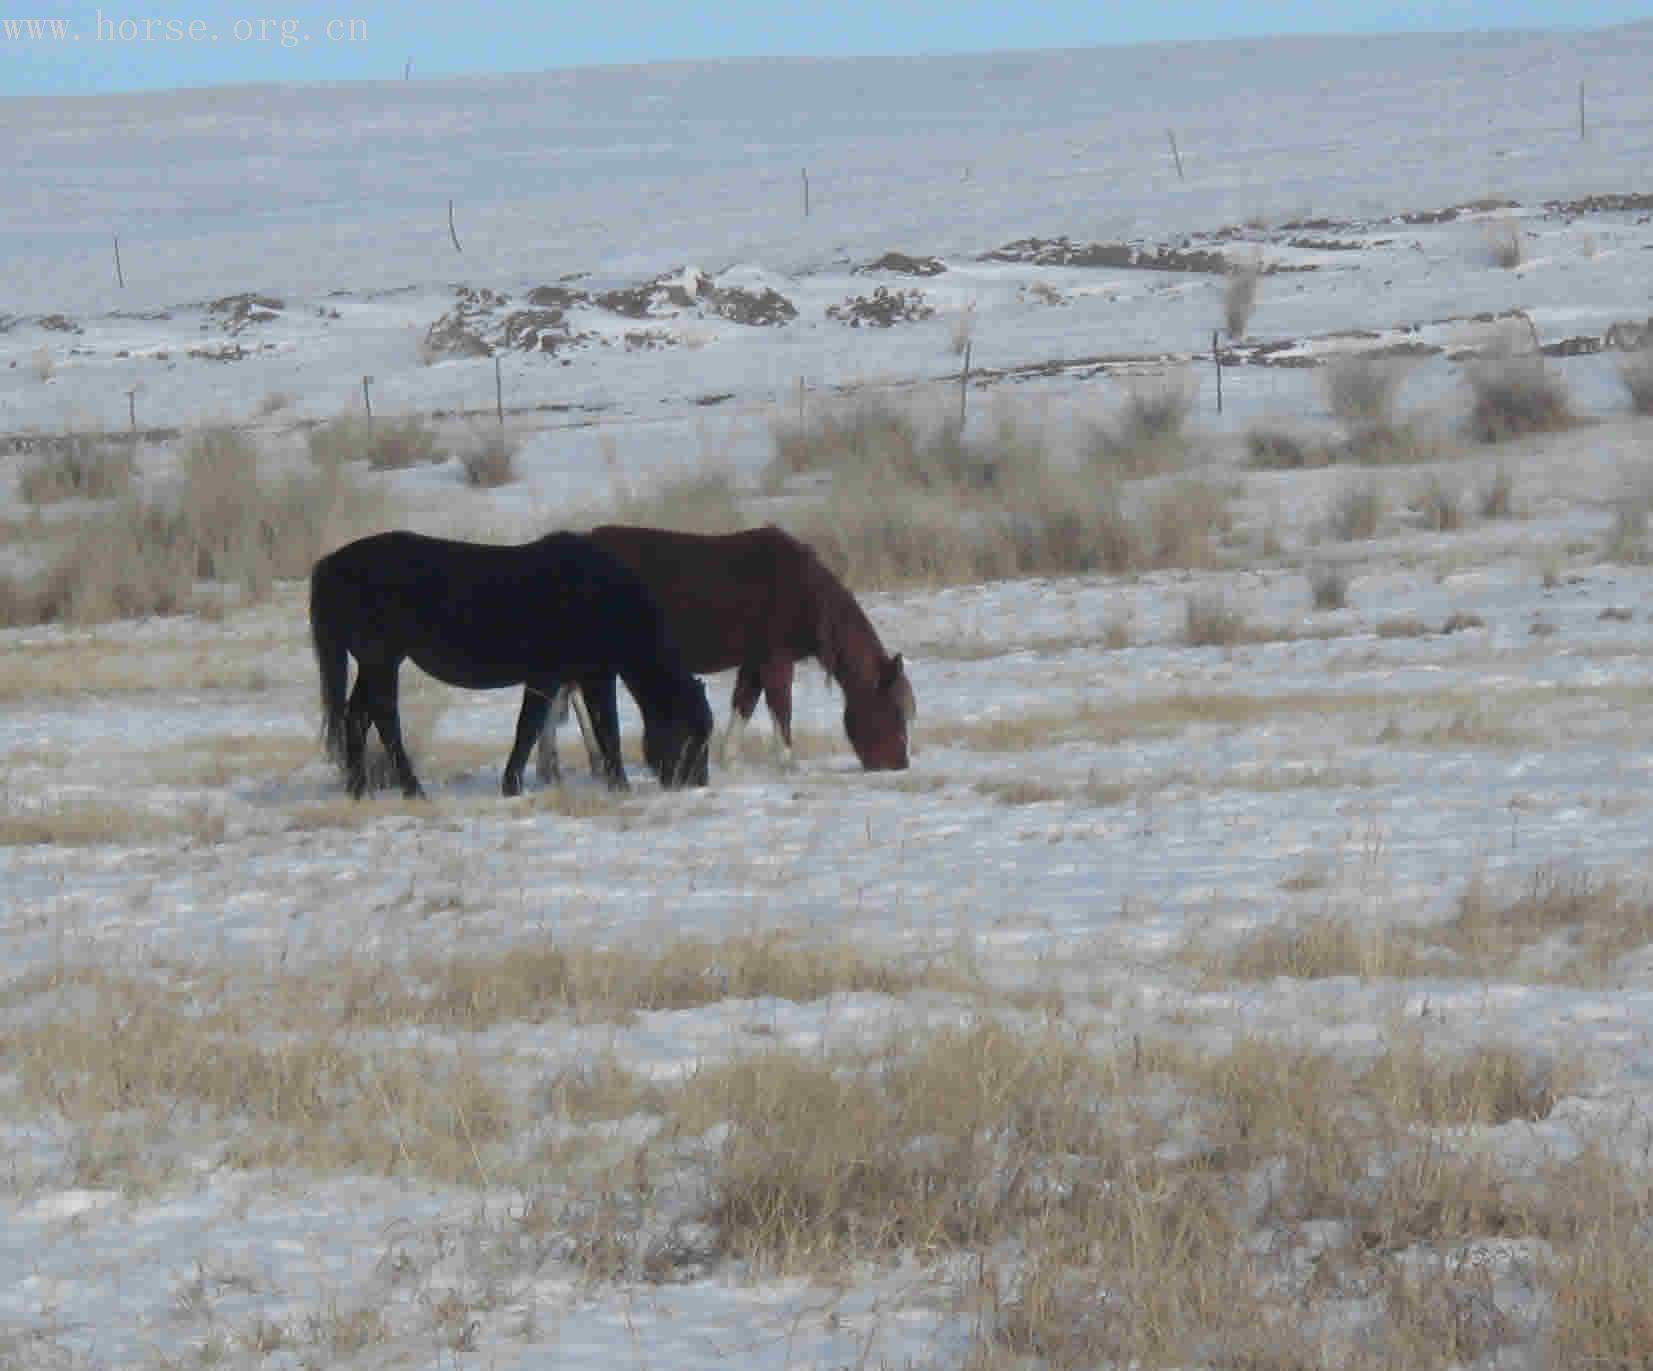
(1062,252)
(753,307)
(904,265)
(58,323)
(1446,216)
(236,312)
(883,308)
(1634,202)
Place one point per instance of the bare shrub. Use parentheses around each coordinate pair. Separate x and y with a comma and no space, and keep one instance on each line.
(226,522)
(1627,541)
(79,466)
(1402,444)
(1403,626)
(274,402)
(1185,521)
(704,501)
(1497,497)
(1515,395)
(489,459)
(1361,391)
(1440,506)
(1329,587)
(41,364)
(1210,621)
(1636,372)
(1240,295)
(1270,448)
(1357,513)
(1147,437)
(1506,243)
(385,444)
(875,441)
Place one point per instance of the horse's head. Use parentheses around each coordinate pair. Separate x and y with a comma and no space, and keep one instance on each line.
(676,741)
(876,719)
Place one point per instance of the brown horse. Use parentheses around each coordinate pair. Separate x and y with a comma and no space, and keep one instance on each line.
(761,601)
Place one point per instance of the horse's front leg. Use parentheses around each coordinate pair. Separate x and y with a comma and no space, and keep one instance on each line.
(603,703)
(536,707)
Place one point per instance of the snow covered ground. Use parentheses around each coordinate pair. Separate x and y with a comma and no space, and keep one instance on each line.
(1091,791)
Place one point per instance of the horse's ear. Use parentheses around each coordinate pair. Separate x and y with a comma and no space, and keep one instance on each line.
(891,673)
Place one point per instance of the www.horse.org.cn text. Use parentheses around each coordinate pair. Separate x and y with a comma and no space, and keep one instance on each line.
(105,28)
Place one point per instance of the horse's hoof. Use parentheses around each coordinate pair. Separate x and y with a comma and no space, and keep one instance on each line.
(511,787)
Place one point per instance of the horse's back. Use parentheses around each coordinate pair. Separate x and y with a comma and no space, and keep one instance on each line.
(484,614)
(731,598)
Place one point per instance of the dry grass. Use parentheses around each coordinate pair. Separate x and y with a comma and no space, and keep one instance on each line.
(1506,244)
(1148,436)
(95,822)
(1565,929)
(1497,497)
(385,444)
(1440,506)
(1329,587)
(79,467)
(1636,372)
(1514,395)
(1240,295)
(489,459)
(1361,391)
(316,1103)
(226,522)
(1210,621)
(1357,513)
(1272,448)
(704,501)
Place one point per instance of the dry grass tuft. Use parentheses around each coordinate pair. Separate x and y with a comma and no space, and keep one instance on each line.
(1506,243)
(79,467)
(1210,621)
(1240,295)
(1329,587)
(1497,497)
(226,522)
(315,1103)
(704,501)
(489,459)
(1514,395)
(1314,950)
(1149,435)
(385,444)
(1636,372)
(1271,448)
(1361,391)
(1357,513)
(1584,926)
(1440,506)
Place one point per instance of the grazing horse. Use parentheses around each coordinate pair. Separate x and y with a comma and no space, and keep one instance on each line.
(543,614)
(760,601)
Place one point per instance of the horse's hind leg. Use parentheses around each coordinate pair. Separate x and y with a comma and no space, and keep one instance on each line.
(536,707)
(777,694)
(601,700)
(748,686)
(387,719)
(357,717)
(588,732)
(545,761)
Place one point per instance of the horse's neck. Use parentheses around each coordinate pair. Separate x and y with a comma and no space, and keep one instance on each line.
(848,648)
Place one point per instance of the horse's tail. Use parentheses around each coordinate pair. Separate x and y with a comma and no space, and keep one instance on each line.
(332,660)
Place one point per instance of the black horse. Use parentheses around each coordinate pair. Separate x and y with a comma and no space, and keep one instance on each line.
(556,611)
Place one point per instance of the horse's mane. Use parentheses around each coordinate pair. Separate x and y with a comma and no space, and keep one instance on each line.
(841,626)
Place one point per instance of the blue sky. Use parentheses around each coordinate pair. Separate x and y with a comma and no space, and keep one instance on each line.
(157,44)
